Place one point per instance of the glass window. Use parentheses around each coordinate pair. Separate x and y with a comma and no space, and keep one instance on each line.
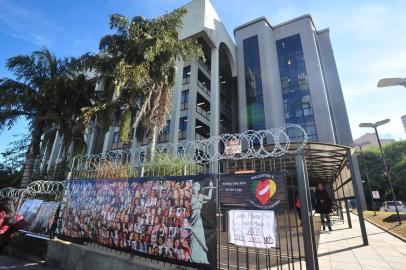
(116,137)
(167,127)
(185,96)
(186,72)
(295,86)
(183,123)
(186,75)
(184,99)
(253,84)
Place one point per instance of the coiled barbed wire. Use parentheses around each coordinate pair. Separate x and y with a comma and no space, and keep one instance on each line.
(39,187)
(274,142)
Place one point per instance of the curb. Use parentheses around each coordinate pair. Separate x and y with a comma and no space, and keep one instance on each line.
(386,230)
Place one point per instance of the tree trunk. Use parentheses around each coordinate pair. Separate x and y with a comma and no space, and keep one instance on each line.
(33,153)
(153,144)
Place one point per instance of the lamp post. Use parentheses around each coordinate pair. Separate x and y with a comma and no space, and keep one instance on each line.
(375,127)
(360,145)
(387,82)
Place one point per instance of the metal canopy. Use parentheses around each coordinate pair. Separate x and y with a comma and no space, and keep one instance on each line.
(323,161)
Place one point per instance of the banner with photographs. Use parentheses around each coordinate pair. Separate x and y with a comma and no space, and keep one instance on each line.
(29,209)
(39,215)
(266,191)
(252,228)
(168,218)
(43,221)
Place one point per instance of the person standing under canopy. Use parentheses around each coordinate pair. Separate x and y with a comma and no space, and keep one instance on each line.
(323,206)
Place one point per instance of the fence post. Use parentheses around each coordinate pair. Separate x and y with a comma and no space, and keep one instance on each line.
(357,194)
(305,209)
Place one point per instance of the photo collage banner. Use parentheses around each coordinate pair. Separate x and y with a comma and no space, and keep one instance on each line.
(168,218)
(39,215)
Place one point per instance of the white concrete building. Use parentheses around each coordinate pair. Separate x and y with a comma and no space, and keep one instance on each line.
(403,118)
(270,76)
(292,78)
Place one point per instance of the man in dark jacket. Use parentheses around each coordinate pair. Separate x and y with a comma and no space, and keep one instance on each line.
(323,206)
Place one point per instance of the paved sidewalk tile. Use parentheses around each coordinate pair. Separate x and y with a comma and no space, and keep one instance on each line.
(343,248)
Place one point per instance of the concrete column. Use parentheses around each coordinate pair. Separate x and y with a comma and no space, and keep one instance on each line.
(107,140)
(175,113)
(214,101)
(215,94)
(55,150)
(90,139)
(191,112)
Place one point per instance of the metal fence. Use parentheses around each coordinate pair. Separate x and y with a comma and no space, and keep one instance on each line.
(261,151)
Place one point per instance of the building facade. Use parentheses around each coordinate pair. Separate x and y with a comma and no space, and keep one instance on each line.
(270,76)
(287,74)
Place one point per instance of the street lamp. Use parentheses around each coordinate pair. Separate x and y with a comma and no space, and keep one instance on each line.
(392,82)
(375,127)
(360,145)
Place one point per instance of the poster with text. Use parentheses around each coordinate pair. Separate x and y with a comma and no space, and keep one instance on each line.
(29,209)
(266,191)
(252,228)
(168,218)
(44,219)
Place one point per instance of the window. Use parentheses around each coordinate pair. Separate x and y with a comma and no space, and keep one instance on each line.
(116,144)
(164,136)
(167,127)
(182,127)
(184,100)
(295,86)
(253,84)
(186,75)
(183,123)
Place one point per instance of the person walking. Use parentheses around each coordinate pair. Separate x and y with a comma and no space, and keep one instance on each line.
(10,222)
(323,206)
(297,206)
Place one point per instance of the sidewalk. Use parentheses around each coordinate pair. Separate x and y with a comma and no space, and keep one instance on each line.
(343,249)
(15,264)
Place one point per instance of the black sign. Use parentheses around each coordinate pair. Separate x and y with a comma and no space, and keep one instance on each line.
(254,191)
(167,218)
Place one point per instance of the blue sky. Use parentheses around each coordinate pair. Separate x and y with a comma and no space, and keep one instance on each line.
(368,38)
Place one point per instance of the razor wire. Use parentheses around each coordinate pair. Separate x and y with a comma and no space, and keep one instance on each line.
(274,142)
(39,187)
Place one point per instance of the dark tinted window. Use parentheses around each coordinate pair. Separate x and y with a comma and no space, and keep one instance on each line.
(297,100)
(253,84)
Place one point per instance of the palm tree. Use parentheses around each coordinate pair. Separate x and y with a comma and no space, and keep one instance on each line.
(140,61)
(27,96)
(73,91)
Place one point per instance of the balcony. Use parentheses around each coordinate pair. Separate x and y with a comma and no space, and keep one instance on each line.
(186,80)
(202,112)
(146,140)
(200,137)
(204,65)
(163,138)
(182,135)
(184,106)
(203,87)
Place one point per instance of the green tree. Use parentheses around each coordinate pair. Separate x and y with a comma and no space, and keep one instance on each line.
(395,154)
(72,91)
(27,96)
(140,62)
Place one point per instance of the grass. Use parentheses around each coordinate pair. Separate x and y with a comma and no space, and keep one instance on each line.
(389,221)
